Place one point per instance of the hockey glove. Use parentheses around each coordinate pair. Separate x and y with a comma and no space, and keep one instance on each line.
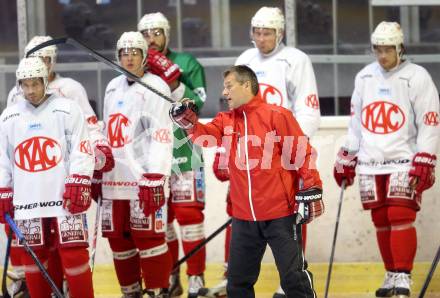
(422,173)
(184,114)
(220,165)
(151,193)
(77,194)
(6,205)
(160,65)
(96,185)
(345,167)
(309,205)
(104,160)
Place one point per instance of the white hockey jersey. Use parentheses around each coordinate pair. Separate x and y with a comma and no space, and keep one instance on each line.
(39,147)
(394,115)
(71,89)
(286,78)
(139,131)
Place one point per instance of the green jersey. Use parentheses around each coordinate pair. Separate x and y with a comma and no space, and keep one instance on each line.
(186,155)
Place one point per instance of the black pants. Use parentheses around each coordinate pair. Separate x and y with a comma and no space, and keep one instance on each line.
(248,244)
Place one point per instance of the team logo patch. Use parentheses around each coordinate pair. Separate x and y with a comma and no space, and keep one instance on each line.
(32,231)
(431,119)
(35,126)
(270,94)
(382,117)
(85,147)
(162,135)
(37,154)
(118,127)
(312,101)
(72,229)
(138,221)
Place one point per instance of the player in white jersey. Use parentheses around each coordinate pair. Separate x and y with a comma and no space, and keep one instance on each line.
(286,78)
(45,148)
(392,139)
(134,210)
(71,89)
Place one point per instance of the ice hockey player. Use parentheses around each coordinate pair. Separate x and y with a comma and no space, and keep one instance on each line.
(71,89)
(392,141)
(286,78)
(133,210)
(45,147)
(187,179)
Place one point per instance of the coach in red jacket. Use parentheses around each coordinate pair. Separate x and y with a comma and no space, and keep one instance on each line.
(268,155)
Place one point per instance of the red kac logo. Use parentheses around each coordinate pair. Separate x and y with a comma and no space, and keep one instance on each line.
(382,117)
(162,135)
(37,154)
(118,126)
(270,94)
(84,147)
(431,118)
(312,101)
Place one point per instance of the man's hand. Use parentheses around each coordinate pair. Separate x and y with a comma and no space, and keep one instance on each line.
(220,165)
(160,65)
(6,205)
(422,173)
(309,205)
(151,193)
(345,167)
(104,160)
(184,114)
(77,194)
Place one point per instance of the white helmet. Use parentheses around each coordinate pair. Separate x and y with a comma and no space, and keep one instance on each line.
(387,34)
(49,51)
(155,20)
(32,67)
(132,39)
(272,18)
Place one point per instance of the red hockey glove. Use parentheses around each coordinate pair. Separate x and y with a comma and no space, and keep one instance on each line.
(96,185)
(160,65)
(6,205)
(77,194)
(104,160)
(309,205)
(184,114)
(345,167)
(151,193)
(220,165)
(422,173)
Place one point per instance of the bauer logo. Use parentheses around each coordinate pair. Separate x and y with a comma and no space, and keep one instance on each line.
(37,154)
(382,117)
(270,94)
(431,119)
(118,127)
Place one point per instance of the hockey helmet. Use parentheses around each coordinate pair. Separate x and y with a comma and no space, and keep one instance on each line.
(49,51)
(155,20)
(132,39)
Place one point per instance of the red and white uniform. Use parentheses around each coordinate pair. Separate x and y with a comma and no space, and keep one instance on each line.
(286,78)
(395,114)
(139,131)
(39,148)
(71,89)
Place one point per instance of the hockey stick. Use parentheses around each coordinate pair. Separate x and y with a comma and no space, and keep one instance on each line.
(202,244)
(99,57)
(335,235)
(95,233)
(430,274)
(6,265)
(34,257)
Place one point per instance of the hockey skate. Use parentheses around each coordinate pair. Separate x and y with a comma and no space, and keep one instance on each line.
(157,293)
(175,289)
(402,285)
(279,293)
(387,288)
(195,283)
(17,288)
(218,291)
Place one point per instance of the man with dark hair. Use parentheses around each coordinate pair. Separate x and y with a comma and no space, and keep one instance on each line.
(267,153)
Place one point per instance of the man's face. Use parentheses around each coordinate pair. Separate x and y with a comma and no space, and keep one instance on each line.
(131,59)
(33,90)
(386,56)
(156,39)
(234,92)
(265,39)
